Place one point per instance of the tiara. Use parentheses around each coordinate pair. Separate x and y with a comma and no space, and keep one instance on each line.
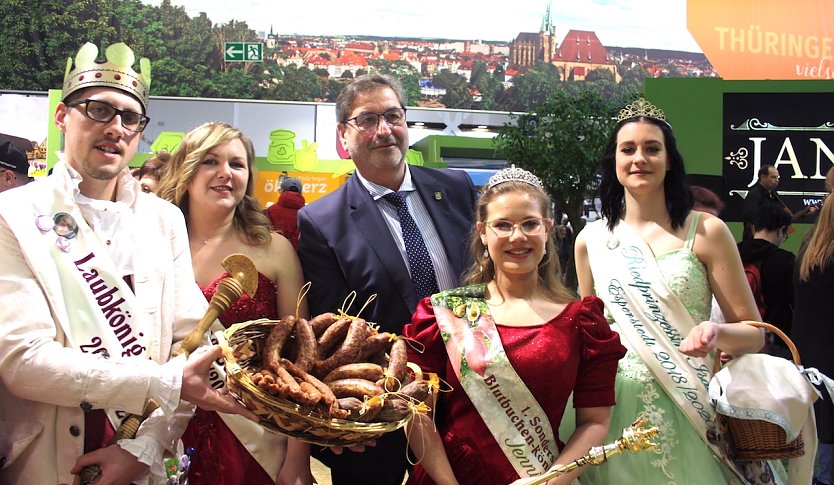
(117,72)
(641,107)
(514,174)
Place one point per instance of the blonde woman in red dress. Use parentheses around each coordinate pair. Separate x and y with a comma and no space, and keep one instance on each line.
(210,178)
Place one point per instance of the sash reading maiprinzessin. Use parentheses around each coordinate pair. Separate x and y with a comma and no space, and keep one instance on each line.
(514,417)
(628,280)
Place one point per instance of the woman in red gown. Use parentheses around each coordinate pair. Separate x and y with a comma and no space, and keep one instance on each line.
(516,320)
(210,178)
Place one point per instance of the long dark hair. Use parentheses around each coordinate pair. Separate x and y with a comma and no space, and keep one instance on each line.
(679,200)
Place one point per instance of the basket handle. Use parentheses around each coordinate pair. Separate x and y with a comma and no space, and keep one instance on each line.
(794,352)
(228,355)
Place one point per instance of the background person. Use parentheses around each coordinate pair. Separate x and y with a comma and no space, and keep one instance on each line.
(705,200)
(14,167)
(656,264)
(775,266)
(356,239)
(211,179)
(150,173)
(97,306)
(283,214)
(524,308)
(764,193)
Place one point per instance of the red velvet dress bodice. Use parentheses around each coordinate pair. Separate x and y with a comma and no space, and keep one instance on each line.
(576,351)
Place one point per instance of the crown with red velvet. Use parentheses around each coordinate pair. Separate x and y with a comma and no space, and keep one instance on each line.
(116,72)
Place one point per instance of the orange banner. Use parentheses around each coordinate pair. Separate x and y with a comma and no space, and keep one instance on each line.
(313,185)
(765,39)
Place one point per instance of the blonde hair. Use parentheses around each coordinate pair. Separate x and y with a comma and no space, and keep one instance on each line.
(829,180)
(820,248)
(183,166)
(482,269)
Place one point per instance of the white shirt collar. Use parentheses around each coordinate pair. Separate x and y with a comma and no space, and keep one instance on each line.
(378,191)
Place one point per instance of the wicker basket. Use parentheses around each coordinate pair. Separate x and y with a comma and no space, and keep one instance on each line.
(281,415)
(754,439)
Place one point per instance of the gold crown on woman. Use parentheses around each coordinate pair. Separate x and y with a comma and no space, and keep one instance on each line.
(514,174)
(641,107)
(116,72)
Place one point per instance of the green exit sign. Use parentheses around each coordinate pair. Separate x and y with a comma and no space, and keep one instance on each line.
(243,51)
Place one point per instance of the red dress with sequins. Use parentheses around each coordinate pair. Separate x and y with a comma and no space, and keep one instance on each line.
(575,352)
(219,457)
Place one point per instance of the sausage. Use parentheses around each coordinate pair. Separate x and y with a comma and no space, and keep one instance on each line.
(393,409)
(326,394)
(360,370)
(358,388)
(418,390)
(351,405)
(330,339)
(376,344)
(397,366)
(293,388)
(276,339)
(306,344)
(310,395)
(270,383)
(322,322)
(348,352)
(370,409)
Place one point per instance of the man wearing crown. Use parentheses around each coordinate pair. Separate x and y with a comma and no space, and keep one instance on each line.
(98,286)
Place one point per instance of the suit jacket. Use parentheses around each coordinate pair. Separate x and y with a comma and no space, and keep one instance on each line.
(345,245)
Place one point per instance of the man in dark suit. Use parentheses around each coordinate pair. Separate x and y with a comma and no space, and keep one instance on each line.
(764,194)
(353,240)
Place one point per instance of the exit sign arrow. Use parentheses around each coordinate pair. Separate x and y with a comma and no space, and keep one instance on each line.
(233,51)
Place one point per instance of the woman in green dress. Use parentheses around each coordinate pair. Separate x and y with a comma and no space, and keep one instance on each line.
(656,264)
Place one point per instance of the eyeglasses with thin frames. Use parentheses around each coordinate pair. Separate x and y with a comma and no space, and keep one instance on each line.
(529,227)
(368,122)
(104,112)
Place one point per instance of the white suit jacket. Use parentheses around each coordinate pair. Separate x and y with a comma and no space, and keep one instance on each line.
(43,381)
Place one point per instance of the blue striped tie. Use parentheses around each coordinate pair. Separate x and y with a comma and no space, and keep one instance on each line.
(422,270)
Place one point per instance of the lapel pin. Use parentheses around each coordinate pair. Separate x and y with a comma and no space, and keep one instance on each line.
(438,195)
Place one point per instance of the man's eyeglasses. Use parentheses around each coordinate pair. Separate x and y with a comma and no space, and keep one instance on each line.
(530,227)
(370,121)
(104,112)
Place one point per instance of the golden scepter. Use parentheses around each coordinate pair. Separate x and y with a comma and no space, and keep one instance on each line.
(127,430)
(243,278)
(635,438)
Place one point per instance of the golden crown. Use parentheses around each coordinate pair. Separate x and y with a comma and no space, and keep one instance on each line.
(641,107)
(117,72)
(514,174)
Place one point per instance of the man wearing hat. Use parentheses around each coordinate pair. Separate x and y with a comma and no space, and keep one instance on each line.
(283,215)
(14,166)
(102,287)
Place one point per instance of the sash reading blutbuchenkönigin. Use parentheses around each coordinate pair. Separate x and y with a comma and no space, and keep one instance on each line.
(514,417)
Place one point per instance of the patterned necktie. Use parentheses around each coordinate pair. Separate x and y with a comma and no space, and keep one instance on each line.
(422,271)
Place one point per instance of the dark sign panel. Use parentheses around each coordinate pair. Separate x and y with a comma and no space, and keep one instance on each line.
(792,131)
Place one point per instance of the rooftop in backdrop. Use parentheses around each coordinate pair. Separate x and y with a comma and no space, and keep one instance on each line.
(626,23)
